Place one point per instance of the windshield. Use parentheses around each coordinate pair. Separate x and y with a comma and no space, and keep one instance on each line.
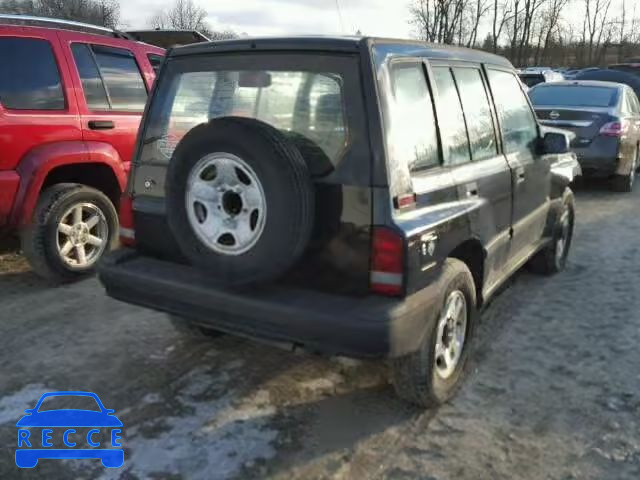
(573,96)
(306,105)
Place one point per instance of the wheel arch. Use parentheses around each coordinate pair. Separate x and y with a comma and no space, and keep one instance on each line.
(473,254)
(93,164)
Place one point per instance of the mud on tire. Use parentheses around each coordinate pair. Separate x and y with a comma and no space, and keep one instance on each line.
(415,376)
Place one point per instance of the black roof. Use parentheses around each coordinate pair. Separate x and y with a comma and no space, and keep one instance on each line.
(342,44)
(612,76)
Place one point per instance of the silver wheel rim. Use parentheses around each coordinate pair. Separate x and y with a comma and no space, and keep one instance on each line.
(561,242)
(82,235)
(451,334)
(225,202)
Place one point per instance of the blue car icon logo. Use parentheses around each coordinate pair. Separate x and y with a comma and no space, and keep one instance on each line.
(75,427)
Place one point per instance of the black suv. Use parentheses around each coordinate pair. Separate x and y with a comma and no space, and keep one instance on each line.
(353,196)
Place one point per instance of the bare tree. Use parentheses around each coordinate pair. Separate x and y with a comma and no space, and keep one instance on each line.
(437,20)
(186,15)
(501,14)
(551,21)
(477,10)
(97,12)
(595,20)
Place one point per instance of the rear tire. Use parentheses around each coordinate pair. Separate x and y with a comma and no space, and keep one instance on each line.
(553,258)
(44,245)
(624,183)
(187,328)
(421,377)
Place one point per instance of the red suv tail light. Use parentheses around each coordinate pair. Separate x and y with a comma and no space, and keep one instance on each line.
(387,262)
(614,129)
(127,231)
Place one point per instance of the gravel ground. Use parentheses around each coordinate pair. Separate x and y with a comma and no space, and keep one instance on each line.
(555,392)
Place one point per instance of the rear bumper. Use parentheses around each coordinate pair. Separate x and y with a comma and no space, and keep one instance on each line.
(601,158)
(369,326)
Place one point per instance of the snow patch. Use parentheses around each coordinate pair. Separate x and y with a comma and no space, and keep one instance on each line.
(215,441)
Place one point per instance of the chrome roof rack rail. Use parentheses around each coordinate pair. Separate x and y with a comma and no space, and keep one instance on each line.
(29,20)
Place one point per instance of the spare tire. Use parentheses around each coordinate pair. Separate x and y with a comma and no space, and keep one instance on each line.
(240,200)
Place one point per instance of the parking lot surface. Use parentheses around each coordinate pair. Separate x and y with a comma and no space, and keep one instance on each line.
(553,393)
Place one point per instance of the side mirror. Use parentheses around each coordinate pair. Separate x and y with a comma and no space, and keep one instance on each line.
(555,143)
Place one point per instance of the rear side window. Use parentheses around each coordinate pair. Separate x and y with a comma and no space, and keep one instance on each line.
(477,109)
(29,76)
(110,77)
(453,132)
(94,91)
(122,78)
(518,124)
(413,125)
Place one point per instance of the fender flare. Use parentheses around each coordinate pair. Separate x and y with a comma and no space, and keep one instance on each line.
(36,165)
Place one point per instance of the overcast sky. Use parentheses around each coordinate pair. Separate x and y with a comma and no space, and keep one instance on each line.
(273,17)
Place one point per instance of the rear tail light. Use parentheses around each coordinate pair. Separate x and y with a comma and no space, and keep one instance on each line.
(127,231)
(387,262)
(615,129)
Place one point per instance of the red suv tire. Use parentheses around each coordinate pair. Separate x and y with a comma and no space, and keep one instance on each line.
(73,226)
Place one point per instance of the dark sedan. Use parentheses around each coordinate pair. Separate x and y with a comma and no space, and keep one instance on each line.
(605,118)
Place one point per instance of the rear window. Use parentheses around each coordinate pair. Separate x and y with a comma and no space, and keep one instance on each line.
(573,96)
(306,102)
(29,76)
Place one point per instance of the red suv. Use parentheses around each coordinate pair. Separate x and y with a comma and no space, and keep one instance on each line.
(70,106)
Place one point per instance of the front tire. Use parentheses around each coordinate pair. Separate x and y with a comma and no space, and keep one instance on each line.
(72,227)
(432,375)
(553,258)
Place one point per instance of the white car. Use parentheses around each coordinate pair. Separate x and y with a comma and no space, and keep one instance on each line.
(533,76)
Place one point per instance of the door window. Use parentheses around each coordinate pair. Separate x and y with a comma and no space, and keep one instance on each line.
(414,139)
(114,71)
(29,76)
(517,121)
(453,131)
(94,91)
(477,110)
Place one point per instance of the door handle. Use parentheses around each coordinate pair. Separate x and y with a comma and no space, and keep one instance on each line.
(521,175)
(101,124)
